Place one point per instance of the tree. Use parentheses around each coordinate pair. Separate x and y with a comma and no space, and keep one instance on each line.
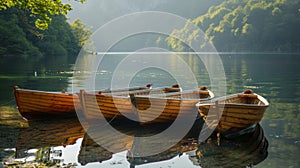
(81,33)
(13,39)
(38,9)
(59,40)
(250,25)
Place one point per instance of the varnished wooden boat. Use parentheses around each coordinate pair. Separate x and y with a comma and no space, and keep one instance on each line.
(245,151)
(113,105)
(235,112)
(33,102)
(163,108)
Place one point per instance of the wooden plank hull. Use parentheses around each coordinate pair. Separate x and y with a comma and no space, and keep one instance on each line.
(110,105)
(234,112)
(146,106)
(33,102)
(99,106)
(167,107)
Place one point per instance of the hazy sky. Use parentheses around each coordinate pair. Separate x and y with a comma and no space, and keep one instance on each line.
(98,12)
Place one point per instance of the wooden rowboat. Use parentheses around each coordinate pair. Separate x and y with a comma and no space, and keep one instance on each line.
(162,108)
(235,112)
(113,105)
(33,102)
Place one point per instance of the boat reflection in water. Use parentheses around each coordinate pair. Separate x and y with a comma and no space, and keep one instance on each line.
(92,151)
(128,149)
(243,151)
(246,150)
(40,138)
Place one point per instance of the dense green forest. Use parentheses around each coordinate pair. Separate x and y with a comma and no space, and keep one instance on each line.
(233,25)
(248,25)
(20,38)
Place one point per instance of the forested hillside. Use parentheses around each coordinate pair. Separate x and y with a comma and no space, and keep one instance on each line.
(250,25)
(19,38)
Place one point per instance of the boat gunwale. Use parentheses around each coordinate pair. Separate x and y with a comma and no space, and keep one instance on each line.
(168,96)
(37,103)
(46,92)
(69,93)
(213,101)
(16,88)
(121,93)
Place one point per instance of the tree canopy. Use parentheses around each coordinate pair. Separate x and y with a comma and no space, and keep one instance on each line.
(61,39)
(249,25)
(39,10)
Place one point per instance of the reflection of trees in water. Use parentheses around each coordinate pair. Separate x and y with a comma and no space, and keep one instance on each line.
(283,135)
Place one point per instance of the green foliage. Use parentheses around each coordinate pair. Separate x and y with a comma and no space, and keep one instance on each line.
(59,42)
(81,33)
(246,28)
(58,39)
(13,39)
(39,10)
(250,25)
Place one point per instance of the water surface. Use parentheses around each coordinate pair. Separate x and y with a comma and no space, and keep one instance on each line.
(274,76)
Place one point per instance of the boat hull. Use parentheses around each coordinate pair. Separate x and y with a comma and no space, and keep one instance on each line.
(146,106)
(168,107)
(233,113)
(111,105)
(32,103)
(99,106)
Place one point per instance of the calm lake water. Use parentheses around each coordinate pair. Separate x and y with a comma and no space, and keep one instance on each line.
(275,143)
